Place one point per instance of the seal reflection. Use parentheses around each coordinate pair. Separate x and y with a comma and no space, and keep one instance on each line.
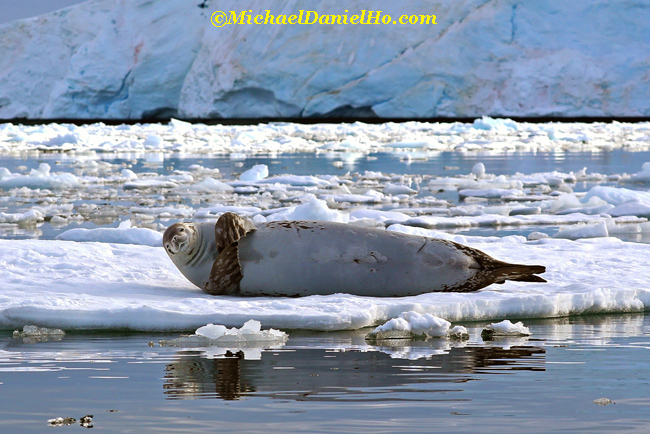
(372,374)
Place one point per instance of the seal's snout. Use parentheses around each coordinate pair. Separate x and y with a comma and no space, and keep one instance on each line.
(176,237)
(178,242)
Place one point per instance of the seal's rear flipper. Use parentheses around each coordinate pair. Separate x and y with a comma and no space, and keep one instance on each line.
(529,278)
(498,272)
(230,228)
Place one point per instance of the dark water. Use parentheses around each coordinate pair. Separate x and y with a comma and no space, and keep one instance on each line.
(334,382)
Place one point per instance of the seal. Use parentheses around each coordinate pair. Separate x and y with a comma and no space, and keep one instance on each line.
(301,258)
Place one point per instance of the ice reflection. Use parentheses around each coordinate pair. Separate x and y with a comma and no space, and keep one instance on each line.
(327,374)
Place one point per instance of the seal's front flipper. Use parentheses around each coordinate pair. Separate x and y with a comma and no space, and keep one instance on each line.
(226,272)
(229,228)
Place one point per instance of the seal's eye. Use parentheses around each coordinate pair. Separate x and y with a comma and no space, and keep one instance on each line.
(167,246)
(181,230)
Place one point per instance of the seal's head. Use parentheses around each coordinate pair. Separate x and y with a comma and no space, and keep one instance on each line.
(180,240)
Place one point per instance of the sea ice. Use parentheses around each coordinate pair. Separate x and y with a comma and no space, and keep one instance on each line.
(413,325)
(250,332)
(505,328)
(35,331)
(256,173)
(124,234)
(38,178)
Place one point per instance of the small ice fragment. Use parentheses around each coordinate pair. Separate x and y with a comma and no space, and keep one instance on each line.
(86,421)
(255,173)
(61,421)
(251,326)
(458,333)
(478,170)
(603,401)
(412,325)
(211,331)
(534,236)
(395,189)
(505,328)
(250,332)
(34,331)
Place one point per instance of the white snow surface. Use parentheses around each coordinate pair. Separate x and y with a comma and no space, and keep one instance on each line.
(108,59)
(93,285)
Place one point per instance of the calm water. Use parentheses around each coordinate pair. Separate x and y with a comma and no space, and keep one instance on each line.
(430,163)
(334,382)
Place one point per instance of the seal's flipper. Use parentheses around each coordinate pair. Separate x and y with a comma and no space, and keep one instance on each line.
(230,228)
(226,272)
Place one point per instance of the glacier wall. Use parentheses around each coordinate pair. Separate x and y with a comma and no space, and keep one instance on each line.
(133,59)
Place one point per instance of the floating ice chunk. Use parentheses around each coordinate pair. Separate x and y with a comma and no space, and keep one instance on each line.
(478,170)
(632,208)
(153,141)
(31,216)
(412,325)
(61,421)
(35,331)
(583,231)
(643,175)
(296,180)
(458,333)
(378,216)
(38,179)
(398,189)
(120,235)
(211,184)
(505,328)
(148,183)
(217,210)
(617,196)
(492,193)
(250,332)
(61,140)
(534,236)
(212,331)
(314,209)
(129,174)
(602,401)
(367,197)
(525,210)
(180,125)
(256,173)
(368,174)
(492,124)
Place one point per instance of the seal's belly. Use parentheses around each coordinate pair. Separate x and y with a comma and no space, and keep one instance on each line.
(304,258)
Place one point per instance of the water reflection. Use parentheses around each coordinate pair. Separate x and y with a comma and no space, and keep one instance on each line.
(326,374)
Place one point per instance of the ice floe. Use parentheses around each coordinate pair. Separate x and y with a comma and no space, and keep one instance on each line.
(103,277)
(96,285)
